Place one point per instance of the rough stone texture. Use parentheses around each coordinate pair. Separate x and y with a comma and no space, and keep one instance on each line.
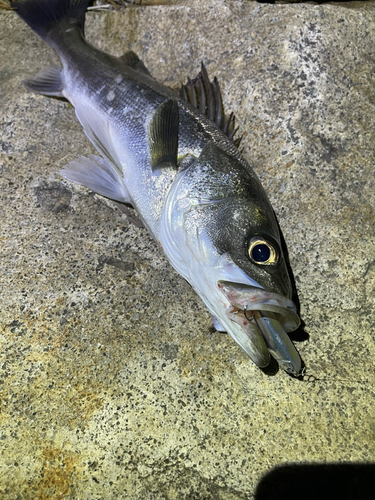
(113,383)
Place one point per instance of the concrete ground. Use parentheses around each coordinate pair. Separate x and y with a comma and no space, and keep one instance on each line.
(113,383)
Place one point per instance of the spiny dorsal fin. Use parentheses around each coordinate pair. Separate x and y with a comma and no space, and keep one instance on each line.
(131,59)
(163,136)
(206,97)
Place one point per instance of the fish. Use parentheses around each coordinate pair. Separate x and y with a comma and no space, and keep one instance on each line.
(173,156)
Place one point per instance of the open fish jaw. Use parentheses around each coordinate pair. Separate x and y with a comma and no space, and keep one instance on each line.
(267,315)
(248,298)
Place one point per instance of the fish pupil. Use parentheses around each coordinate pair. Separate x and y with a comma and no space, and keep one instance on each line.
(261,253)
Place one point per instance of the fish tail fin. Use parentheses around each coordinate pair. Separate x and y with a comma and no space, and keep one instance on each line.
(44,16)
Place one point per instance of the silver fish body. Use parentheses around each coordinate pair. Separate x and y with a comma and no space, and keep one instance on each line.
(194,191)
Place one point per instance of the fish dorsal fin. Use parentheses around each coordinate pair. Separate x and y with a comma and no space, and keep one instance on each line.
(131,59)
(163,136)
(206,97)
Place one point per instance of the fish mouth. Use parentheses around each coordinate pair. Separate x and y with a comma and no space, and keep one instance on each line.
(265,318)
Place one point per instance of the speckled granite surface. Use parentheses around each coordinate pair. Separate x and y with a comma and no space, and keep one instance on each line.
(113,382)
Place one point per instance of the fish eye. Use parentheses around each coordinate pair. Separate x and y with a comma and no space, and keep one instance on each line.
(262,251)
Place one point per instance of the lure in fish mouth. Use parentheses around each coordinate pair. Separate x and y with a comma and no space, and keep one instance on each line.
(173,157)
(268,317)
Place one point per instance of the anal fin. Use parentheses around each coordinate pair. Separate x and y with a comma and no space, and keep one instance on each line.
(217,325)
(48,81)
(98,175)
(163,136)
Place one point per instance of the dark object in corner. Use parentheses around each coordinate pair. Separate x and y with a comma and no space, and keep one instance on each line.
(346,481)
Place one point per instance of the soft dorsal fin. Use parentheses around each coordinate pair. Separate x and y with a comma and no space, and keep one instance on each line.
(163,136)
(206,97)
(132,60)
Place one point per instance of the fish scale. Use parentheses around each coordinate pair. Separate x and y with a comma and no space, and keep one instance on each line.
(173,157)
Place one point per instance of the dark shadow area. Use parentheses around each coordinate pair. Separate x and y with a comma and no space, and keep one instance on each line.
(299,335)
(346,481)
(272,369)
(304,1)
(284,249)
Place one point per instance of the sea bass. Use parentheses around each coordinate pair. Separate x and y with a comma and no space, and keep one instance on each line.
(172,157)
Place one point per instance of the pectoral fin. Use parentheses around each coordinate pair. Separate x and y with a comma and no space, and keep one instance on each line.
(163,136)
(47,82)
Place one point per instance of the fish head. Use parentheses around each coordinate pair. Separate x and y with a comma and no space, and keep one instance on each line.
(220,232)
(247,232)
